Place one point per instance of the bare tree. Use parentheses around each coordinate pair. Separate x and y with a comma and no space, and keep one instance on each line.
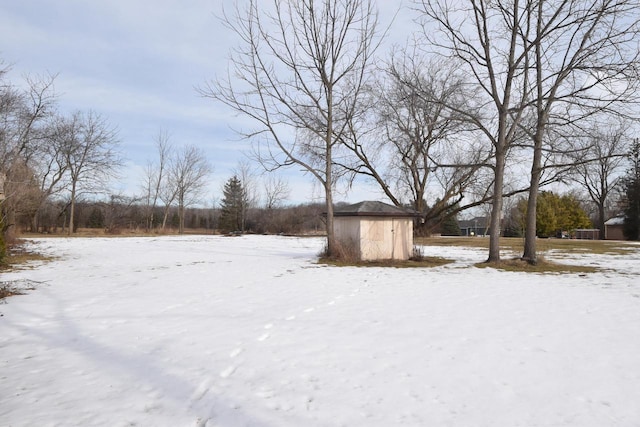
(298,76)
(541,64)
(50,169)
(582,59)
(420,142)
(156,177)
(24,142)
(90,154)
(250,195)
(605,151)
(189,170)
(483,36)
(276,191)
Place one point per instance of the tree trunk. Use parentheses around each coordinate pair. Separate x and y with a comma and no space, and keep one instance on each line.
(72,208)
(496,208)
(601,220)
(328,184)
(165,217)
(180,212)
(530,240)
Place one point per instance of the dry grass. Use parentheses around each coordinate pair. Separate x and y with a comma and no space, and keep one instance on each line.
(424,262)
(6,290)
(560,247)
(18,257)
(542,266)
(516,245)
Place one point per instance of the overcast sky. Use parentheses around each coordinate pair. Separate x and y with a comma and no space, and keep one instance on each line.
(137,63)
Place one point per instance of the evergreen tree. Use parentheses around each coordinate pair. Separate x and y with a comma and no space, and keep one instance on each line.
(96,218)
(631,227)
(450,226)
(555,214)
(233,206)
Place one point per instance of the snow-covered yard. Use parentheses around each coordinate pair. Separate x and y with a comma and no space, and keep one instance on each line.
(250,331)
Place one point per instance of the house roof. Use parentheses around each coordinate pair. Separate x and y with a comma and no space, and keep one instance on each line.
(373,208)
(477,222)
(619,220)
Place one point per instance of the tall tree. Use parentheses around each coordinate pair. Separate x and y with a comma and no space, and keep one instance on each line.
(485,42)
(581,58)
(276,191)
(25,142)
(539,63)
(631,225)
(247,178)
(189,170)
(298,75)
(599,171)
(157,177)
(232,206)
(89,149)
(420,142)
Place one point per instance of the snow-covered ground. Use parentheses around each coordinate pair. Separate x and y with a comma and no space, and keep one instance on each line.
(250,331)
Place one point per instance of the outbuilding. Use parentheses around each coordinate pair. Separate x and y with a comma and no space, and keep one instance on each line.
(375,230)
(613,229)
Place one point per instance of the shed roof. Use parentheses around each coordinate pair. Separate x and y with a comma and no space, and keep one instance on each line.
(618,220)
(373,208)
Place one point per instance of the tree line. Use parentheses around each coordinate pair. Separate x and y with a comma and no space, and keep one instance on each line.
(44,153)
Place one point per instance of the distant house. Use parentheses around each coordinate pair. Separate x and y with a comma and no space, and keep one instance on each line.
(478,226)
(613,229)
(375,230)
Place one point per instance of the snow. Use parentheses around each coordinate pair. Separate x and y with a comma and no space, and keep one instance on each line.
(251,331)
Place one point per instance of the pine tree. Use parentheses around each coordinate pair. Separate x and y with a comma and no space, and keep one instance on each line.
(450,226)
(233,206)
(631,227)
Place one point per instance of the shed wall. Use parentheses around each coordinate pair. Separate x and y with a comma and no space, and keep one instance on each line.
(386,238)
(613,232)
(376,238)
(347,232)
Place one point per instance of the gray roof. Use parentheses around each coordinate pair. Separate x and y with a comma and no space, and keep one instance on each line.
(372,208)
(477,222)
(619,220)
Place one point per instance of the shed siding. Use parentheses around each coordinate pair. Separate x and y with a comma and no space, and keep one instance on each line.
(347,232)
(375,238)
(386,238)
(614,232)
(403,238)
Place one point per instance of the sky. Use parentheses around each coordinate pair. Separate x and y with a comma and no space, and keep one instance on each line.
(138,64)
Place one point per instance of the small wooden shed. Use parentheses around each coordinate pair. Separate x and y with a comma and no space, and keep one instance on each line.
(375,230)
(613,229)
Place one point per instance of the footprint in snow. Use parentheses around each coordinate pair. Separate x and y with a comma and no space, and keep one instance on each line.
(236,352)
(201,422)
(202,389)
(228,372)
